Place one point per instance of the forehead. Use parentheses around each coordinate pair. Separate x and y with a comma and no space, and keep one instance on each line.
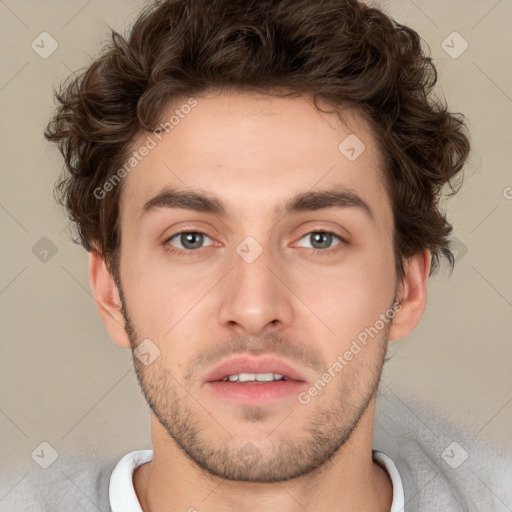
(253,151)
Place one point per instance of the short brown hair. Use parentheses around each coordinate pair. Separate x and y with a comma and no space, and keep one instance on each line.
(340,51)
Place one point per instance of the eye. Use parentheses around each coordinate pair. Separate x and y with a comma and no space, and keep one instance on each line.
(321,241)
(186,241)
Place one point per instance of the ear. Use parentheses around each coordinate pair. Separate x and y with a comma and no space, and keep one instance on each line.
(107,299)
(412,295)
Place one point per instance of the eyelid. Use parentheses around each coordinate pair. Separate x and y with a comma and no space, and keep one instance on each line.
(324,229)
(191,229)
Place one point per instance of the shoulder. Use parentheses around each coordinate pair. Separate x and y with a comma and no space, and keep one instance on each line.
(441,464)
(70,483)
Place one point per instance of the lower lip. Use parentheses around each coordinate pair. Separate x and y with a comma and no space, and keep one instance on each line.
(252,393)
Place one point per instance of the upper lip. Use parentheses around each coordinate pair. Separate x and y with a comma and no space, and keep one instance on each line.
(253,364)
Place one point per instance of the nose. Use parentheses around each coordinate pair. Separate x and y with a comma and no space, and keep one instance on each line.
(255,296)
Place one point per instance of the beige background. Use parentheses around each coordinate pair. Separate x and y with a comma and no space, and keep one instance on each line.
(62,379)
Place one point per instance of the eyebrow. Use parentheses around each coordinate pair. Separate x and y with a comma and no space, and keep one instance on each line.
(336,197)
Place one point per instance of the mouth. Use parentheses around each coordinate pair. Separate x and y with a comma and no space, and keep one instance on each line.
(254,380)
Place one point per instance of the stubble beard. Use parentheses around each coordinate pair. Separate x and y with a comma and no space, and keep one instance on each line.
(277,457)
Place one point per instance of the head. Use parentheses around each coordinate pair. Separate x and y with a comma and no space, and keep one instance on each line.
(259,178)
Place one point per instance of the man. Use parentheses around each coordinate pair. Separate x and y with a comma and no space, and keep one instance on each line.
(257,184)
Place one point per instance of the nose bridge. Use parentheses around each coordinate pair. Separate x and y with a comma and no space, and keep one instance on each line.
(254,296)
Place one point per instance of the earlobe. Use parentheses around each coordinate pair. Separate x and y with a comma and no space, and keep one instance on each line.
(412,296)
(107,299)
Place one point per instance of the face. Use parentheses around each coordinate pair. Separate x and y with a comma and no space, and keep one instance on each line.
(279,261)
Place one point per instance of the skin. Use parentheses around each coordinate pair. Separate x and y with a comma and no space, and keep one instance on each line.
(253,152)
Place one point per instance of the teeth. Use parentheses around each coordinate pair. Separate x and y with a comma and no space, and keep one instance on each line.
(250,377)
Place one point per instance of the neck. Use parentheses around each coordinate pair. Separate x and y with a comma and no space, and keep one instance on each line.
(349,481)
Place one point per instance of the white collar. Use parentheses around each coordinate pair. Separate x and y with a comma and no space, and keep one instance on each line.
(124,499)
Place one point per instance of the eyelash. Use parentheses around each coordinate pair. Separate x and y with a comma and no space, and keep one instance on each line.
(319,252)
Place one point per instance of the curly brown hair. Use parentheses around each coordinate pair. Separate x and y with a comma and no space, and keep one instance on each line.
(342,52)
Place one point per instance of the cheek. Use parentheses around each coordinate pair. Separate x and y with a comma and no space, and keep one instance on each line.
(350,298)
(162,299)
